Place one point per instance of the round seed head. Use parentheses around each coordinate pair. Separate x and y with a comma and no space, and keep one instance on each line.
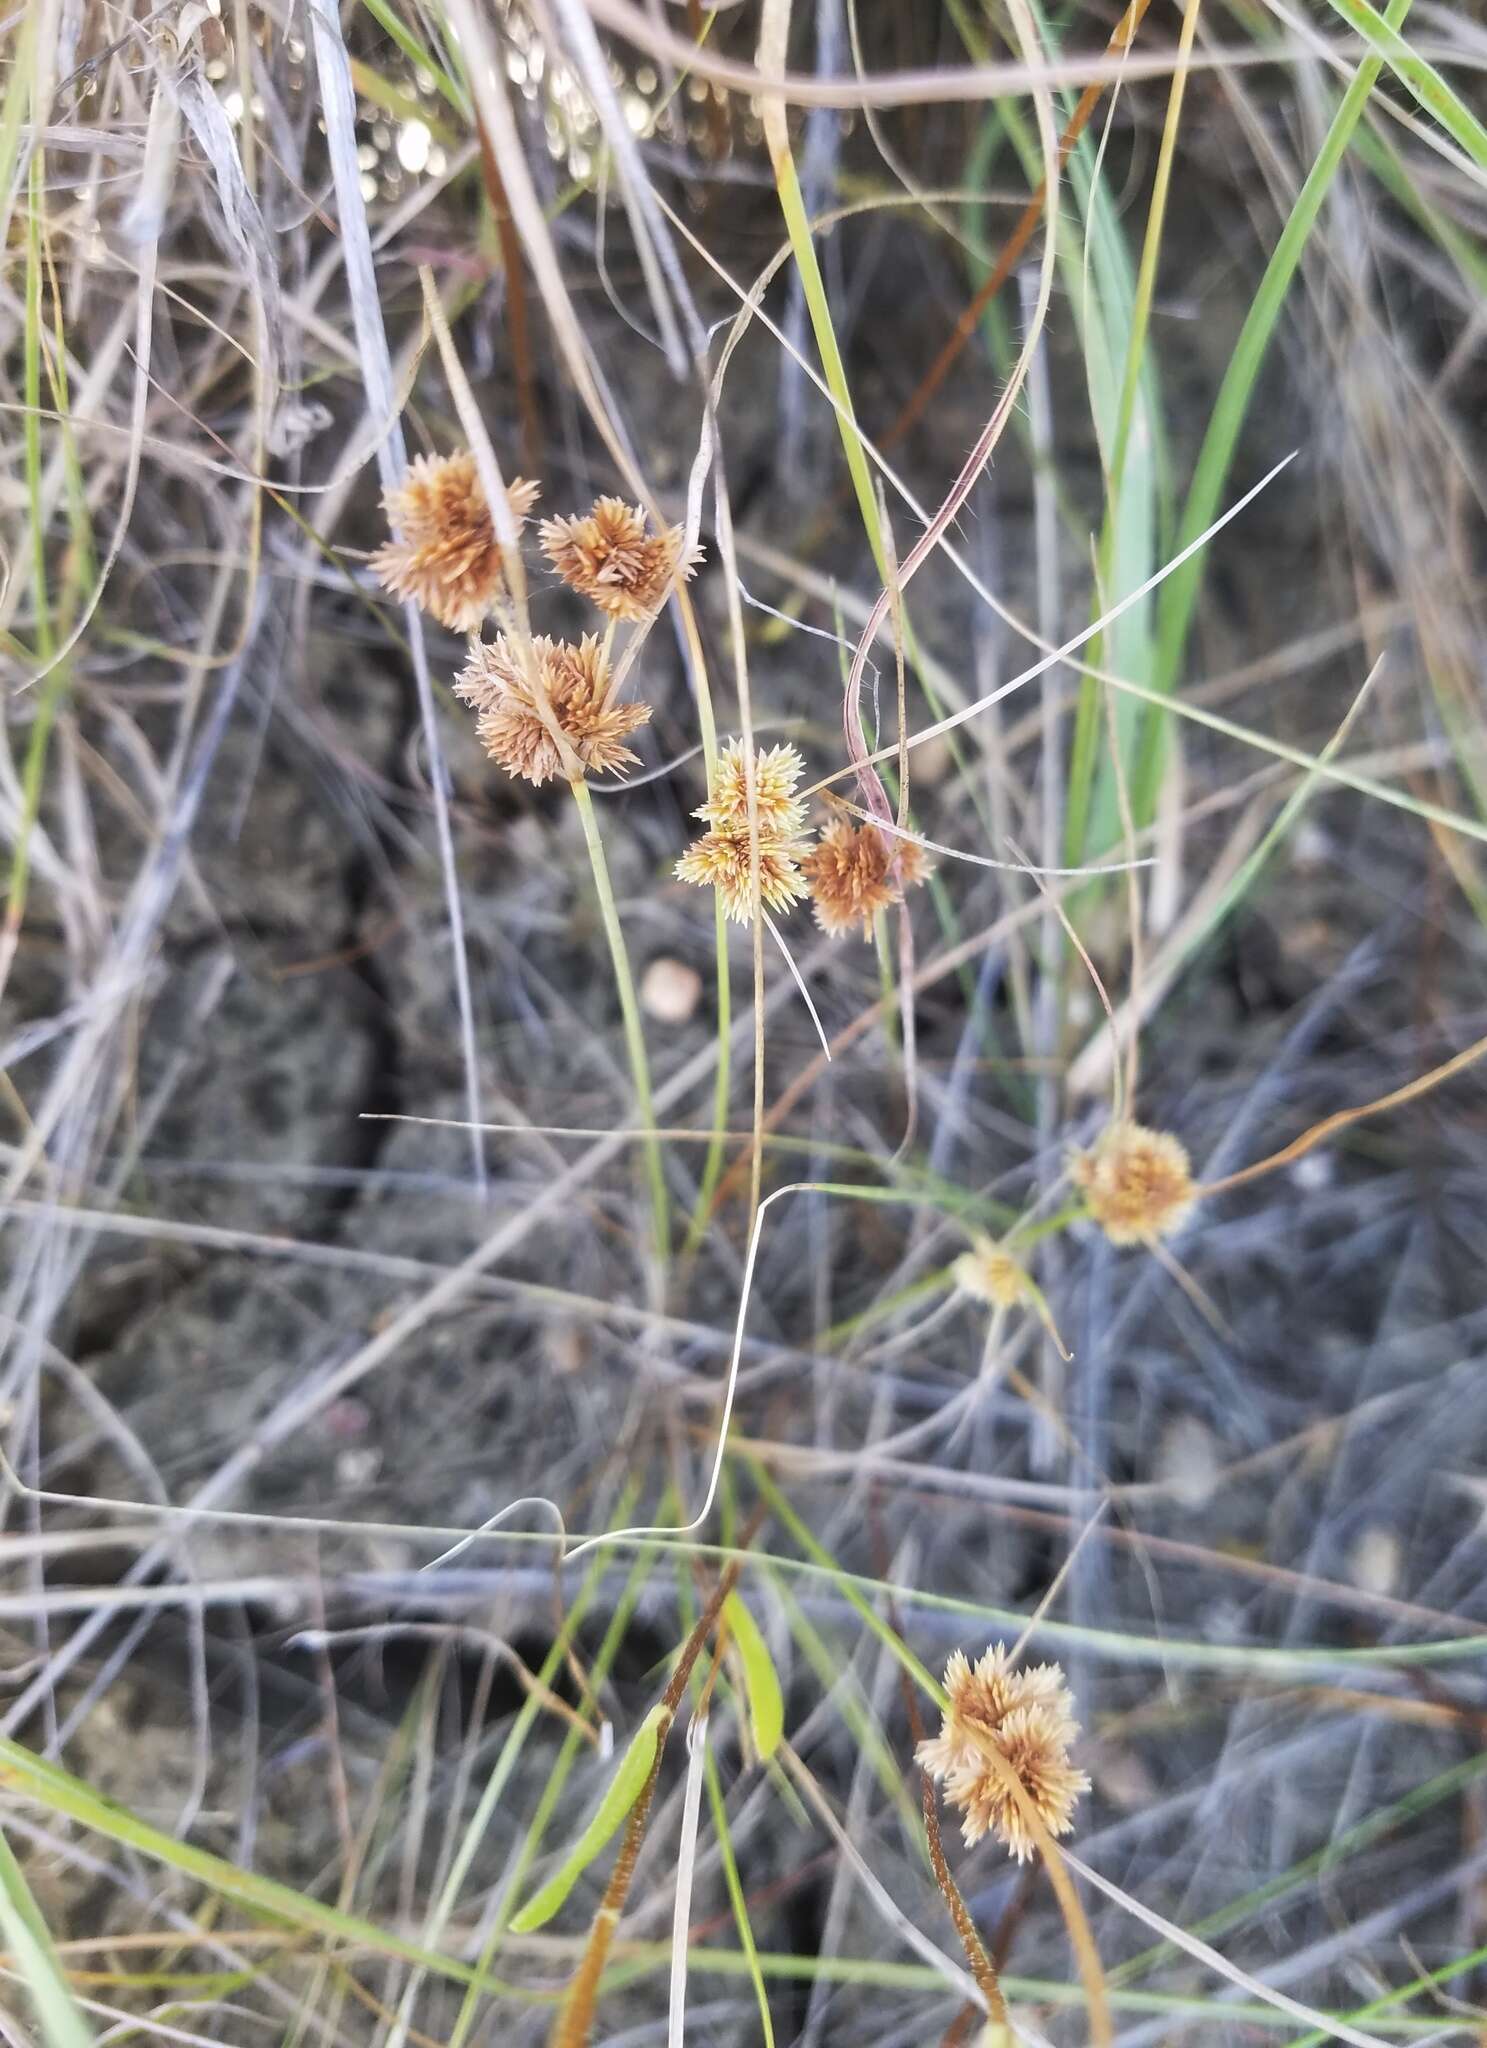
(575,681)
(1027,1719)
(607,556)
(445,554)
(720,860)
(780,813)
(991,1274)
(852,874)
(1137,1183)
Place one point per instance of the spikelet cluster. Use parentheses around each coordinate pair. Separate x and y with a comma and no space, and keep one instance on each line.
(990,1273)
(1137,1183)
(854,871)
(722,858)
(444,553)
(607,556)
(1027,1718)
(501,689)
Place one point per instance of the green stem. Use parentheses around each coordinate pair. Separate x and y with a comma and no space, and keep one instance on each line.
(630,1012)
(712,1169)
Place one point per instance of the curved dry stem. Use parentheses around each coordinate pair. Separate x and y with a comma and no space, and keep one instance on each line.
(1341,1118)
(1091,1971)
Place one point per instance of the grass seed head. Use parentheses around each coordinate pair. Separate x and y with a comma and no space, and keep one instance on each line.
(445,554)
(1137,1183)
(851,873)
(607,556)
(576,681)
(1027,1717)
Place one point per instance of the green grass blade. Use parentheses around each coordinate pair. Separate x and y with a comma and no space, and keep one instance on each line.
(761,1680)
(1381,33)
(30,1946)
(621,1793)
(640,1073)
(1179,594)
(58,1791)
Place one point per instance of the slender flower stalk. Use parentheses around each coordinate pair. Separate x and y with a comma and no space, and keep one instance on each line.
(640,1073)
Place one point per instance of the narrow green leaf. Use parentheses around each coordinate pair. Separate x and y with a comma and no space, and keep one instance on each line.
(625,1787)
(1179,594)
(761,1680)
(1420,78)
(56,1789)
(25,1935)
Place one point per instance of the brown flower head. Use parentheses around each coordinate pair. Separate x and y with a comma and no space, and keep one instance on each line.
(1137,1183)
(1027,1718)
(780,813)
(991,1274)
(720,860)
(607,556)
(446,555)
(851,874)
(576,681)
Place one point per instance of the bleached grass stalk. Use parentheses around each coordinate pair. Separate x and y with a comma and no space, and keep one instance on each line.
(738,1899)
(686,1863)
(1335,2029)
(624,979)
(908,87)
(805,995)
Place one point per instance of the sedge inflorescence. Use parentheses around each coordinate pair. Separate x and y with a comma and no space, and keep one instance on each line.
(849,873)
(856,870)
(502,689)
(546,708)
(990,1273)
(724,857)
(542,707)
(999,1719)
(1137,1183)
(608,556)
(444,553)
